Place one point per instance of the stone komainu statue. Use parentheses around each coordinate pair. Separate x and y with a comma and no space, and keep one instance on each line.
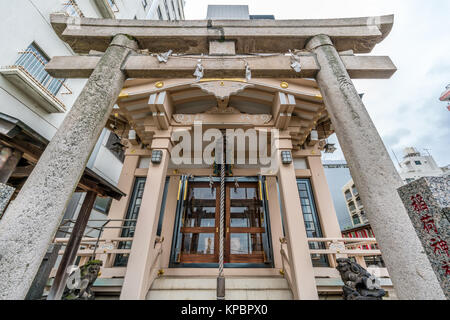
(358,283)
(81,281)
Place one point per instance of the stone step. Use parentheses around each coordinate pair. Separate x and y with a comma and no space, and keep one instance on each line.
(209,283)
(211,295)
(204,288)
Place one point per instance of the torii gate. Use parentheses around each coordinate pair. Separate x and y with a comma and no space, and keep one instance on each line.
(327,54)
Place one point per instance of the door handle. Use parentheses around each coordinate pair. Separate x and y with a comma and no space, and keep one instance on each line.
(217,229)
(228,229)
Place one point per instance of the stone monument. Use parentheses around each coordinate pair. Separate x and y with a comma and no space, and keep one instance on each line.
(427,201)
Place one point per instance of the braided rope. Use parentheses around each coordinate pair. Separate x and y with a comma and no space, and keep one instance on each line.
(222,209)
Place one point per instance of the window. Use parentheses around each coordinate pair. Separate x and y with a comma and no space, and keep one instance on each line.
(375,261)
(179,11)
(129,226)
(115,146)
(167,10)
(160,16)
(33,61)
(351,206)
(132,215)
(348,195)
(356,220)
(72,9)
(113,5)
(418,163)
(173,9)
(163,208)
(311,219)
(102,204)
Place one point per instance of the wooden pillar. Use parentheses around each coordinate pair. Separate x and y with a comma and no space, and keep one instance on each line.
(70,253)
(8,163)
(136,283)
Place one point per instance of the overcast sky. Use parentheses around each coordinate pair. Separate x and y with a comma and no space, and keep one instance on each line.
(406,108)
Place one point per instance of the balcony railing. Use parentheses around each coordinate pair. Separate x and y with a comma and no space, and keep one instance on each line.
(29,73)
(71,8)
(31,62)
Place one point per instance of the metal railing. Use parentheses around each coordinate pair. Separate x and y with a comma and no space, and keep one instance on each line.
(71,8)
(106,248)
(32,63)
(98,245)
(113,5)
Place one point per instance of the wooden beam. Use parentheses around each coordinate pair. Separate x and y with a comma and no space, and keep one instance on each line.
(22,172)
(8,166)
(71,250)
(143,66)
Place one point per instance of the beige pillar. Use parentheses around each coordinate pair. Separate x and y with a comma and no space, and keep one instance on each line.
(169,219)
(31,221)
(375,177)
(119,208)
(276,225)
(300,259)
(136,286)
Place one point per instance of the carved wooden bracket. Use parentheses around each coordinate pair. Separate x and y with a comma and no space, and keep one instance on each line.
(222,89)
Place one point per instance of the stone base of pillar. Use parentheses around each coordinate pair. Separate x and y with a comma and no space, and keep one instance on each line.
(6,193)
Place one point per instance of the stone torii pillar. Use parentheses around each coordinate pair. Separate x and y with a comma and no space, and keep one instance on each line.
(375,176)
(33,218)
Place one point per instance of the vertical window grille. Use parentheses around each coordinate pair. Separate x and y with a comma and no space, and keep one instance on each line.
(160,16)
(129,226)
(33,61)
(311,219)
(166,6)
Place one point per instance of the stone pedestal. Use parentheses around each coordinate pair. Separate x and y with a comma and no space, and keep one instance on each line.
(6,193)
(427,202)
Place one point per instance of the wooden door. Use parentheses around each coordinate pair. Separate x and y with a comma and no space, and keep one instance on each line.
(244,224)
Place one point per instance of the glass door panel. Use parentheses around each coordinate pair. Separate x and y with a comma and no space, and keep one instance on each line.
(198,225)
(244,224)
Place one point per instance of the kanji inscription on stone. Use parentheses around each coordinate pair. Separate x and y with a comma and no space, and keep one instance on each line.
(427,201)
